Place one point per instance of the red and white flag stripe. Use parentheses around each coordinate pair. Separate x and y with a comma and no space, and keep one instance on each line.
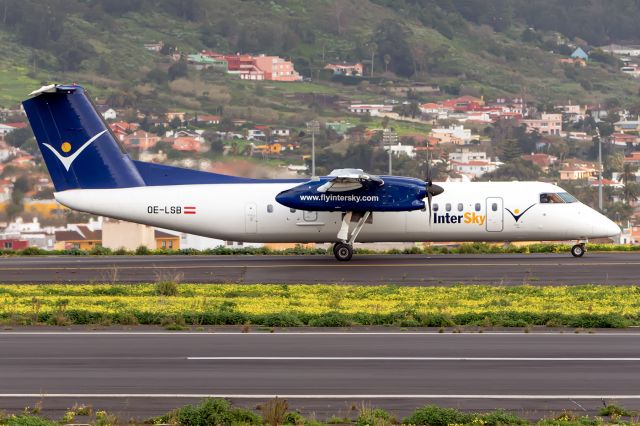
(189,210)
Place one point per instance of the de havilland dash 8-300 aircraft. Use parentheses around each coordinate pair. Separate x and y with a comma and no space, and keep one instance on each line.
(91,173)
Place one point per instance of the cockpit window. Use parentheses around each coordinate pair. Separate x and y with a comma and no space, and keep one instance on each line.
(568,198)
(551,198)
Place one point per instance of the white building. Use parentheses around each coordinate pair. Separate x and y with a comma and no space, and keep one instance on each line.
(371,109)
(399,149)
(5,129)
(190,241)
(620,50)
(452,134)
(465,155)
(475,168)
(32,232)
(254,134)
(281,132)
(547,124)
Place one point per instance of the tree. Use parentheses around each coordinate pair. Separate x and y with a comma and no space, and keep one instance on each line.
(387,61)
(631,190)
(517,169)
(157,76)
(178,70)
(19,137)
(392,39)
(509,150)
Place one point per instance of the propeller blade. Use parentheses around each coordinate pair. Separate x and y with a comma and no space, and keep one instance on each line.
(429,196)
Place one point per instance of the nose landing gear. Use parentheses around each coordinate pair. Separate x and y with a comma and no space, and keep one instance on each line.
(578,250)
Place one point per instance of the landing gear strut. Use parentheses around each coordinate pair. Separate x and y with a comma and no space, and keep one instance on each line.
(578,250)
(343,249)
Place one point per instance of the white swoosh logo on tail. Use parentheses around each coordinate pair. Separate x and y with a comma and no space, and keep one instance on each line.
(67,161)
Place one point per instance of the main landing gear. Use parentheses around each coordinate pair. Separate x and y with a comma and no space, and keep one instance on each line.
(578,250)
(343,249)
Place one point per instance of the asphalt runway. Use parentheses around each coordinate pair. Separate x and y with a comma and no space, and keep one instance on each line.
(511,269)
(147,373)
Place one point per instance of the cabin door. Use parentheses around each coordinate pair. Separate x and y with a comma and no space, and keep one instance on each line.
(251,218)
(495,217)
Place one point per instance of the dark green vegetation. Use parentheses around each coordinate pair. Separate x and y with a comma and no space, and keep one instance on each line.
(465,248)
(276,412)
(465,47)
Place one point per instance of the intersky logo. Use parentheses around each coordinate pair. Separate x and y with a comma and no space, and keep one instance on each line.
(66,146)
(516,213)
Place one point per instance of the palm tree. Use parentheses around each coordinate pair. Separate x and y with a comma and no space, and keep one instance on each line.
(631,190)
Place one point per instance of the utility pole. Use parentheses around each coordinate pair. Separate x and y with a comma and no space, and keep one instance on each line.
(389,137)
(314,127)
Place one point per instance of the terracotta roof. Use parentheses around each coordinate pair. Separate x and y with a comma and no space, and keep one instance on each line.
(162,234)
(18,125)
(85,234)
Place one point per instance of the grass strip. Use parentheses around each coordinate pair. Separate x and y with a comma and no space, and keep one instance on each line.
(168,303)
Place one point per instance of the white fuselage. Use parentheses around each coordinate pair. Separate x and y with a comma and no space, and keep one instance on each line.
(479,211)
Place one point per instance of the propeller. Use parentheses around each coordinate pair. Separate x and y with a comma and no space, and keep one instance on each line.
(432,190)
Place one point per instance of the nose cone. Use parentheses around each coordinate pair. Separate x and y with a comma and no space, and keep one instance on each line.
(604,227)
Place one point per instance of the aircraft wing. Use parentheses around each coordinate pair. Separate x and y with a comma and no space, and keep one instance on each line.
(347,180)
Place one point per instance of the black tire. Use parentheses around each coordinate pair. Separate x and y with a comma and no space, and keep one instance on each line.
(343,252)
(578,250)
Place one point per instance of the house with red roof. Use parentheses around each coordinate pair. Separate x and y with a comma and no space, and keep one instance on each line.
(185,144)
(141,140)
(122,128)
(208,119)
(542,160)
(623,139)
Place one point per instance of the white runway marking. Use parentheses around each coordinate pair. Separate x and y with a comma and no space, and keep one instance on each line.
(399,358)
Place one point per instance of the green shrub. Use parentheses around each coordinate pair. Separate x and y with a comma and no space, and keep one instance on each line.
(210,412)
(142,250)
(294,418)
(432,415)
(100,251)
(167,288)
(614,411)
(27,420)
(500,418)
(373,417)
(274,411)
(31,251)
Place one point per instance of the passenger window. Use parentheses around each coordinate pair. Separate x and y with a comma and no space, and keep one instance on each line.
(270,208)
(477,207)
(435,207)
(448,207)
(460,207)
(550,198)
(494,207)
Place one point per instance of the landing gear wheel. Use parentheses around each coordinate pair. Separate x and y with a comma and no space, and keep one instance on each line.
(343,251)
(578,250)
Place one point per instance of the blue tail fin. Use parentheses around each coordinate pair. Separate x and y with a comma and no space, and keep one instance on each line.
(78,147)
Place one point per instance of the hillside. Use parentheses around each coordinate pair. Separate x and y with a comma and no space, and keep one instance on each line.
(100,43)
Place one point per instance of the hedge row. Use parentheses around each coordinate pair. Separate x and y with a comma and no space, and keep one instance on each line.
(466,248)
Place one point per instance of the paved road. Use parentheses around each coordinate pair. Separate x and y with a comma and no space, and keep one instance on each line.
(600,268)
(148,372)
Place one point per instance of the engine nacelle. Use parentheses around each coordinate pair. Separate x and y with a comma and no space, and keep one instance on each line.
(395,194)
